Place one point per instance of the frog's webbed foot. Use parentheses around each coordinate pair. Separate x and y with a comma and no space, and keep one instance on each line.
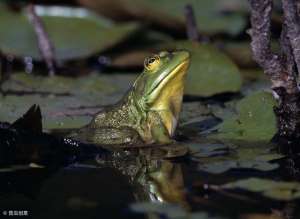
(108,136)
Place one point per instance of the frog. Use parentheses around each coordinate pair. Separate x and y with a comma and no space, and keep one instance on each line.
(149,111)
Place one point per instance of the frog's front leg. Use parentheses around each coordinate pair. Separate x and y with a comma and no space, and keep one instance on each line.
(109,136)
(159,132)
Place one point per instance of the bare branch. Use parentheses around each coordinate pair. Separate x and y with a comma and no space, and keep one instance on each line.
(272,63)
(288,60)
(287,51)
(45,46)
(293,28)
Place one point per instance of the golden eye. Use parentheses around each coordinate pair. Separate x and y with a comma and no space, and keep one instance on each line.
(152,63)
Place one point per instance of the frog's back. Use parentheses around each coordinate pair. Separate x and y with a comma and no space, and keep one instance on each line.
(113,125)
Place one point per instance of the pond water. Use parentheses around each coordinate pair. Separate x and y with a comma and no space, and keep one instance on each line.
(160,182)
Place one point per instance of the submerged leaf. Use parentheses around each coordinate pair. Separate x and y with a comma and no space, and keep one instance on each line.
(279,190)
(222,159)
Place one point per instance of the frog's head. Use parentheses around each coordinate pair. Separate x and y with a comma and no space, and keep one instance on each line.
(160,87)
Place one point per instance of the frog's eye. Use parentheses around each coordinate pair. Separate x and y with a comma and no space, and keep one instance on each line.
(152,63)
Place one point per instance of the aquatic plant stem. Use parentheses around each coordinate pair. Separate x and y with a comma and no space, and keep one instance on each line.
(191,24)
(45,45)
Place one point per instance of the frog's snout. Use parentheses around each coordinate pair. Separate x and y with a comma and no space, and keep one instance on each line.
(183,53)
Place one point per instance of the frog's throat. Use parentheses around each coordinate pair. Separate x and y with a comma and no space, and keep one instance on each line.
(167,97)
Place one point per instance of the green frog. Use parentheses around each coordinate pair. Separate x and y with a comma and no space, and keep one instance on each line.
(149,112)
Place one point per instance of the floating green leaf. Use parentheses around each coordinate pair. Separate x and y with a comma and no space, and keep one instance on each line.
(279,190)
(65,102)
(80,34)
(211,72)
(255,119)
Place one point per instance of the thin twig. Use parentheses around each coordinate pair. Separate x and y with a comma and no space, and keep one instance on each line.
(45,46)
(191,24)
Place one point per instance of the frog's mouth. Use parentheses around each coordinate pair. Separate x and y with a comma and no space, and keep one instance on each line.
(167,95)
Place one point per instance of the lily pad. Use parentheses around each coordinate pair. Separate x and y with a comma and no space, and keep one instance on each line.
(208,14)
(65,102)
(218,158)
(279,190)
(211,71)
(255,119)
(76,33)
(223,166)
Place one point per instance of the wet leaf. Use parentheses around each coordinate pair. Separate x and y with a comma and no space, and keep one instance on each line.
(279,190)
(65,102)
(75,33)
(211,72)
(255,119)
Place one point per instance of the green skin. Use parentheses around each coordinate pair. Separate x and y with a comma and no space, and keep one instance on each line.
(148,113)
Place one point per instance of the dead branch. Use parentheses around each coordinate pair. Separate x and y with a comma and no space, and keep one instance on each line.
(286,50)
(288,61)
(281,69)
(291,18)
(274,65)
(45,46)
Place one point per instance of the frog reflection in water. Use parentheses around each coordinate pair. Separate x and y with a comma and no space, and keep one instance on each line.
(149,112)
(162,181)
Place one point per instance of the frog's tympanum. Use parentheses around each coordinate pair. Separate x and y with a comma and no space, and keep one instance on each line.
(149,112)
